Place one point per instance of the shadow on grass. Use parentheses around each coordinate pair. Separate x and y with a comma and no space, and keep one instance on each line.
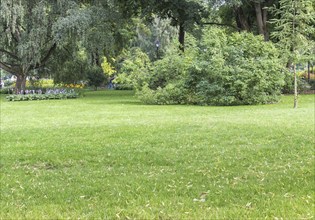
(123,97)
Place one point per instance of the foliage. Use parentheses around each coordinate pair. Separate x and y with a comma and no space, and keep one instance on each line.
(184,14)
(244,15)
(26,35)
(32,32)
(75,86)
(6,91)
(134,68)
(302,84)
(65,70)
(147,34)
(96,77)
(107,68)
(221,70)
(294,25)
(41,83)
(70,72)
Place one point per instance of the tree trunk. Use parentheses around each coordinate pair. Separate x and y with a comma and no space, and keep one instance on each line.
(264,18)
(308,71)
(95,58)
(20,83)
(261,18)
(181,37)
(241,20)
(295,88)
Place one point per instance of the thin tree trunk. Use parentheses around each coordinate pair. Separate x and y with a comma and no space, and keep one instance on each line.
(181,37)
(308,71)
(264,19)
(294,68)
(295,88)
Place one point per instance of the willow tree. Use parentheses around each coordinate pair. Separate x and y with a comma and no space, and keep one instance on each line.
(21,38)
(31,31)
(26,40)
(294,25)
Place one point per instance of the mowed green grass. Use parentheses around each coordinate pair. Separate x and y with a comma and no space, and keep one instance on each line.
(107,156)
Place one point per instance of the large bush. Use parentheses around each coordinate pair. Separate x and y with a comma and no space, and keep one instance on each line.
(220,70)
(96,77)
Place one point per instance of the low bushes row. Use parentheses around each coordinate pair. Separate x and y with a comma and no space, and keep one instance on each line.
(42,96)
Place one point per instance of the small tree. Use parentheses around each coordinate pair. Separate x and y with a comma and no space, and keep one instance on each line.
(294,23)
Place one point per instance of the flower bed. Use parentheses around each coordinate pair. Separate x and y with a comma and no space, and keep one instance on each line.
(47,96)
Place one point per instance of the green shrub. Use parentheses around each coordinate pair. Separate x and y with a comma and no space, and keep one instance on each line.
(8,83)
(222,69)
(134,69)
(6,91)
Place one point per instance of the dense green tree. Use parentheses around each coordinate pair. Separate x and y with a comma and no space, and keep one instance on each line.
(23,30)
(31,31)
(28,34)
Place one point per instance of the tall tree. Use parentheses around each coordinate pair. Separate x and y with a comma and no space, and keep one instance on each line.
(31,31)
(294,25)
(24,45)
(183,14)
(249,15)
(26,35)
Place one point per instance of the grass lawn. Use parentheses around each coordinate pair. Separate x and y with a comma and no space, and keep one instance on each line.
(107,156)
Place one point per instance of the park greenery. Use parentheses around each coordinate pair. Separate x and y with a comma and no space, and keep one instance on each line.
(171,52)
(108,156)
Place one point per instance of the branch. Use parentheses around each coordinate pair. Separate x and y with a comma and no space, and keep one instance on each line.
(10,54)
(50,51)
(7,68)
(45,58)
(10,64)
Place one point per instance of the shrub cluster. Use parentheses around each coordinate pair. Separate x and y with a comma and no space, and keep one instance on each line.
(221,69)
